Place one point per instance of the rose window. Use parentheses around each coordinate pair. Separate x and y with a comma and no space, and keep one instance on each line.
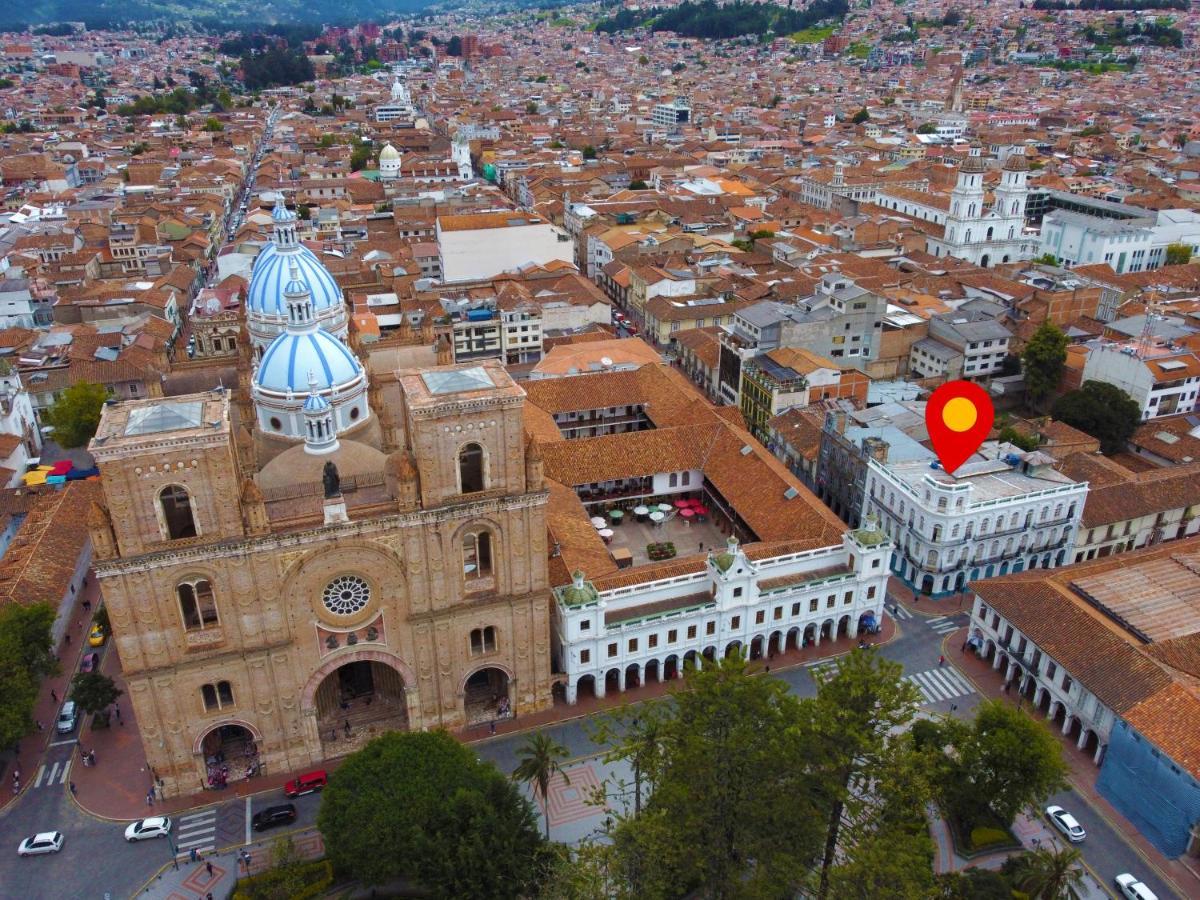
(346,595)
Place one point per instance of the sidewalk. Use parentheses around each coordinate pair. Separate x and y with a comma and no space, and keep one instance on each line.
(31,747)
(195,880)
(1082,771)
(116,787)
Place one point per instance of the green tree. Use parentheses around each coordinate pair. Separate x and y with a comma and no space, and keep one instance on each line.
(1102,410)
(75,415)
(1044,357)
(531,107)
(975,883)
(541,759)
(637,185)
(26,657)
(579,873)
(926,128)
(1003,761)
(360,155)
(1045,874)
(861,116)
(589,152)
(421,806)
(1046,259)
(1178,254)
(93,691)
(1010,435)
(851,717)
(730,807)
(212,123)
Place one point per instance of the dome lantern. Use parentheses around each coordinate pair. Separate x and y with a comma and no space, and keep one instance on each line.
(320,435)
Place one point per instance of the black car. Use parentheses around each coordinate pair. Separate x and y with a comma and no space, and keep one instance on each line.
(273,816)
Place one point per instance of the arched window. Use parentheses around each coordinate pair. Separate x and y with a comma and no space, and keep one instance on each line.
(967,239)
(989,234)
(477,555)
(197,604)
(177,512)
(218,696)
(470,469)
(483,640)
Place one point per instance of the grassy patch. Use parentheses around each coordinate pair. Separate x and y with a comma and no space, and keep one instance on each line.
(812,35)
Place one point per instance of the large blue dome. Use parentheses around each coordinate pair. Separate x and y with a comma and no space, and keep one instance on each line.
(272,272)
(293,356)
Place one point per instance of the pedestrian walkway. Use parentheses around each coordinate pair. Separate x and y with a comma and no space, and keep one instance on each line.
(197,831)
(942,624)
(55,775)
(901,612)
(940,684)
(218,872)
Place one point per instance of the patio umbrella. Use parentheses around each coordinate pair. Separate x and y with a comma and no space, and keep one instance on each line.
(605,533)
(598,522)
(687,513)
(657,517)
(682,504)
(640,510)
(616,515)
(700,510)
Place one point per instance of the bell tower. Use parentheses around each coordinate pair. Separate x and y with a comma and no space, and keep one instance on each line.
(170,472)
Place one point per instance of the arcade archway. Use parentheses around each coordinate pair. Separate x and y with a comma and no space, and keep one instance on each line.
(358,701)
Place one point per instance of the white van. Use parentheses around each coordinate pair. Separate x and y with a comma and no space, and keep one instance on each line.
(67,718)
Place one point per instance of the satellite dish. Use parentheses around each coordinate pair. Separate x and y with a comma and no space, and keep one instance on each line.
(605,361)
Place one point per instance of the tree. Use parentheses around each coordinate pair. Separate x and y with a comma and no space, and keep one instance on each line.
(541,759)
(861,116)
(851,717)
(926,128)
(1046,259)
(1010,435)
(589,152)
(26,656)
(360,155)
(1003,761)
(1102,410)
(1178,254)
(531,107)
(731,806)
(1044,357)
(212,123)
(975,883)
(421,806)
(454,48)
(93,691)
(1045,874)
(75,415)
(637,185)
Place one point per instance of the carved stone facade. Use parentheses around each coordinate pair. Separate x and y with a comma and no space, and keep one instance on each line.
(239,619)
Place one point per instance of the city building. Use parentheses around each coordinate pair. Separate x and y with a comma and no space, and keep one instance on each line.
(482,245)
(1004,510)
(962,344)
(1127,244)
(788,376)
(672,114)
(1106,649)
(1162,378)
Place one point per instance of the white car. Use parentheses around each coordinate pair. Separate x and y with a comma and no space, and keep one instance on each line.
(1134,889)
(45,842)
(155,826)
(1066,823)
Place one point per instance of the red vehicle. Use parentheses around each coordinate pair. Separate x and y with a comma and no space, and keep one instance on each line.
(306,783)
(89,662)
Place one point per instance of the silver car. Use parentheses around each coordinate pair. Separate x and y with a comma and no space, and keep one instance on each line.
(43,842)
(143,829)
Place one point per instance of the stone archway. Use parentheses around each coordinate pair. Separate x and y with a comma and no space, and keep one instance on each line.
(372,690)
(227,751)
(487,694)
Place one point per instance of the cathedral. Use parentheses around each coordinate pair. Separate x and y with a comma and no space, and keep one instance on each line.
(328,553)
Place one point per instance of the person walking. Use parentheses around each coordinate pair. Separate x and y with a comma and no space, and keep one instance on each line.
(941,661)
(117,710)
(67,639)
(72,786)
(53,695)
(208,867)
(193,856)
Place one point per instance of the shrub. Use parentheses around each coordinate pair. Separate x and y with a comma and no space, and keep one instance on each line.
(312,879)
(983,836)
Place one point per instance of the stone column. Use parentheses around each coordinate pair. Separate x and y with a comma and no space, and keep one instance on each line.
(621,679)
(571,693)
(853,629)
(996,660)
(512,697)
(601,686)
(1068,721)
(412,704)
(1083,733)
(1100,750)
(658,670)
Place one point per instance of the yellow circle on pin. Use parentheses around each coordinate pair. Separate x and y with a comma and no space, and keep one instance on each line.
(960,414)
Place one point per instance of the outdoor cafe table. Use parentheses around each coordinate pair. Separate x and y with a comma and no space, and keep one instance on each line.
(598,522)
(605,533)
(657,517)
(616,515)
(641,512)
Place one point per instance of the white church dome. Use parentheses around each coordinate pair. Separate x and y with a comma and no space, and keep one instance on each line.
(388,152)
(292,358)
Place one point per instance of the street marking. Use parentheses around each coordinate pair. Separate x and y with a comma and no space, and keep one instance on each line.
(247,820)
(822,670)
(40,775)
(197,832)
(899,612)
(62,743)
(66,769)
(943,625)
(942,683)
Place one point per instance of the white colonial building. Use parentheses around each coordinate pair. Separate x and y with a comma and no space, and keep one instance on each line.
(740,602)
(1002,511)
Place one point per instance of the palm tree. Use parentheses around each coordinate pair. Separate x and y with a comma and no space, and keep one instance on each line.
(1050,874)
(541,759)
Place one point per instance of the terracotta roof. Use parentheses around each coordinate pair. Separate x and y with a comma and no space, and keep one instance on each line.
(42,558)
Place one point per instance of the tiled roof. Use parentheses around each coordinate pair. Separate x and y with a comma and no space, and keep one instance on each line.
(42,558)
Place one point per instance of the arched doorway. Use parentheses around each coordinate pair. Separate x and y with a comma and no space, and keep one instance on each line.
(486,696)
(734,649)
(585,687)
(229,751)
(984,260)
(843,626)
(927,585)
(358,701)
(671,667)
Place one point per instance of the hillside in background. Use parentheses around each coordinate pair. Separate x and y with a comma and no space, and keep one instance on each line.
(211,13)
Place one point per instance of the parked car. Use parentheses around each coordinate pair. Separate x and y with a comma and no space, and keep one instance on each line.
(1066,823)
(67,718)
(43,842)
(143,829)
(306,783)
(96,635)
(1134,889)
(89,662)
(273,816)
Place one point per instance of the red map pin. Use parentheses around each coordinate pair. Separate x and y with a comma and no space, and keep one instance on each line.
(959,416)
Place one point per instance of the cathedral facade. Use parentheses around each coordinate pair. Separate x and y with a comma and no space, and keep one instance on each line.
(279,599)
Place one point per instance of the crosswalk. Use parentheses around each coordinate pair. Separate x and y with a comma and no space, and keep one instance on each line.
(942,683)
(822,671)
(900,612)
(942,624)
(56,774)
(197,832)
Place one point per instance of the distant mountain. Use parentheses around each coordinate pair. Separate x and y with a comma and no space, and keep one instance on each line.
(214,13)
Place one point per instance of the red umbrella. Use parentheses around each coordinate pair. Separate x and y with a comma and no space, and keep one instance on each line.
(687,513)
(62,467)
(682,504)
(700,510)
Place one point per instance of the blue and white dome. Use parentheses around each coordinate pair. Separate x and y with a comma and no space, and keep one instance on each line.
(286,364)
(316,404)
(270,277)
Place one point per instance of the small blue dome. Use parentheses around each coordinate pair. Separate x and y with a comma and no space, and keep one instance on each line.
(296,286)
(272,273)
(315,404)
(293,357)
(282,214)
